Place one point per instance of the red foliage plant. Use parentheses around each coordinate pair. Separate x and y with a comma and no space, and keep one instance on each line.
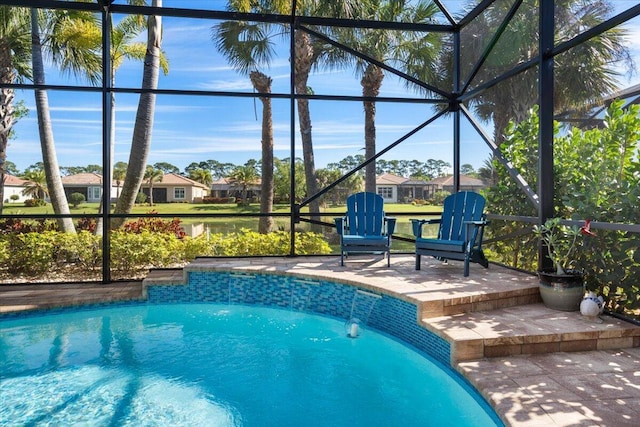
(156,225)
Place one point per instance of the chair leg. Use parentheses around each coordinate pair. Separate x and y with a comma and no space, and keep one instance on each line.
(417,262)
(389,258)
(466,264)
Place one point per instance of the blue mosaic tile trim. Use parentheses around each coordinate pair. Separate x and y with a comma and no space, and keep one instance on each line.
(387,314)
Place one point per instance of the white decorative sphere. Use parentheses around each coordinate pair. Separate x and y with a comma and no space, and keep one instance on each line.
(591,305)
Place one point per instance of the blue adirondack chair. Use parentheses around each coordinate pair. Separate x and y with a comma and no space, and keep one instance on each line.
(365,228)
(460,233)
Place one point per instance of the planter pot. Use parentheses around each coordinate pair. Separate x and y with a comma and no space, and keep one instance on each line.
(561,291)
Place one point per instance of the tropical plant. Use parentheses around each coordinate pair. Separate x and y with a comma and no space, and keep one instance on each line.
(124,47)
(152,176)
(244,176)
(142,130)
(411,51)
(582,75)
(308,53)
(66,37)
(282,179)
(562,242)
(597,176)
(119,173)
(15,49)
(247,48)
(36,184)
(202,176)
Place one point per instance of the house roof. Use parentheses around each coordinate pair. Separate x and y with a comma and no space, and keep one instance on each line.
(390,179)
(464,180)
(170,179)
(11,180)
(85,178)
(415,182)
(175,179)
(231,182)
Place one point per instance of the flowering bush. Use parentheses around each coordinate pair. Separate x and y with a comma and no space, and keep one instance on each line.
(562,241)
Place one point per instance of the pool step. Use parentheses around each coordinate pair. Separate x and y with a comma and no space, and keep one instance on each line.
(529,329)
(519,293)
(16,298)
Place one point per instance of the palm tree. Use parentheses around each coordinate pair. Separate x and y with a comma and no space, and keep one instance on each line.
(66,39)
(141,142)
(202,176)
(247,47)
(152,175)
(124,47)
(119,173)
(582,76)
(37,184)
(15,43)
(244,176)
(413,51)
(308,52)
(262,83)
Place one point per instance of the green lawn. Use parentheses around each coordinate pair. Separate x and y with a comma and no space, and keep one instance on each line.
(204,209)
(197,225)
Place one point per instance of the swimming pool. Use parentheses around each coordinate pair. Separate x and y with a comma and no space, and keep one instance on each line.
(219,365)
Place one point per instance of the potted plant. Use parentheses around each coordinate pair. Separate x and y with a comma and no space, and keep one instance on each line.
(562,288)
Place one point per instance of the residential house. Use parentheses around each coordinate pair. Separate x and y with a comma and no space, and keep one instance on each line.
(387,186)
(88,184)
(467,183)
(226,187)
(397,189)
(14,186)
(172,188)
(176,188)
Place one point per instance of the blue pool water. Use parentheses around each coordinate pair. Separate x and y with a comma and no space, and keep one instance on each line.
(219,365)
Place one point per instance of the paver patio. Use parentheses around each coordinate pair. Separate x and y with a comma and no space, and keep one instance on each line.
(536,366)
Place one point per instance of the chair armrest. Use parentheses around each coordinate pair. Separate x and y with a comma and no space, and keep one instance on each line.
(481,223)
(471,228)
(340,225)
(418,223)
(391,224)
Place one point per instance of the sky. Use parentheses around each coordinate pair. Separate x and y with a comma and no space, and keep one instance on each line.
(228,129)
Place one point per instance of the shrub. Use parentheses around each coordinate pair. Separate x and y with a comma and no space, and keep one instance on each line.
(76,199)
(132,252)
(19,226)
(32,203)
(439,196)
(219,200)
(155,224)
(141,198)
(38,253)
(14,197)
(251,243)
(31,253)
(86,224)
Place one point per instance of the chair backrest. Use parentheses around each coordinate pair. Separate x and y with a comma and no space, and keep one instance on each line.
(460,207)
(365,214)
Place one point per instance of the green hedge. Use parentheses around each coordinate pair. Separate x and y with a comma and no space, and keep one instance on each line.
(38,253)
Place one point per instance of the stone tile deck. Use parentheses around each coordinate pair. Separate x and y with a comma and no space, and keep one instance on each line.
(536,366)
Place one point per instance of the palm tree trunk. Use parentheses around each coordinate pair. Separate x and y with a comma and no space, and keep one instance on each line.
(49,156)
(262,83)
(304,60)
(7,75)
(371,83)
(141,143)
